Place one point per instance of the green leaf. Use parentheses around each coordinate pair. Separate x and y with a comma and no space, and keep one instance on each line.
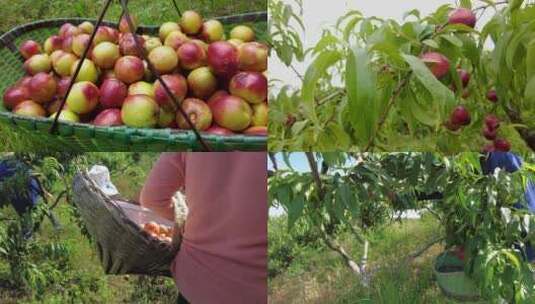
(529,94)
(515,43)
(431,43)
(530,60)
(391,50)
(295,210)
(425,115)
(440,93)
(283,195)
(346,197)
(350,27)
(314,72)
(361,94)
(299,126)
(453,40)
(413,12)
(342,139)
(286,159)
(515,4)
(470,49)
(503,73)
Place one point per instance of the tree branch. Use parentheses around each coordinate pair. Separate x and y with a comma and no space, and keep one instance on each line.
(354,266)
(315,173)
(273,161)
(356,234)
(484,7)
(270,45)
(346,257)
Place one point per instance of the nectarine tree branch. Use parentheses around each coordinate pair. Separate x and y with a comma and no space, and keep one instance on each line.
(297,73)
(273,161)
(301,77)
(486,6)
(354,266)
(315,173)
(345,256)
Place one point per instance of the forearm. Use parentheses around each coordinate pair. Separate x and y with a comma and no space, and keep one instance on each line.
(165,178)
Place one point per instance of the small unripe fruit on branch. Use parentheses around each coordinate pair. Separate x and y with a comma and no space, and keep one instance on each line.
(492,96)
(492,122)
(464,76)
(460,116)
(502,145)
(489,133)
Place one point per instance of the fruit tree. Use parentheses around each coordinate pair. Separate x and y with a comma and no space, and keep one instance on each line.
(354,193)
(446,82)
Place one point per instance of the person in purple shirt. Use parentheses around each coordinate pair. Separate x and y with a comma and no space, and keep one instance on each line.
(22,199)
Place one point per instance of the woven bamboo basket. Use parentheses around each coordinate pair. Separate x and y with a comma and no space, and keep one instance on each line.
(85,137)
(122,246)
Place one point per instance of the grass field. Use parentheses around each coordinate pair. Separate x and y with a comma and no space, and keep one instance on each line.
(78,277)
(318,275)
(150,12)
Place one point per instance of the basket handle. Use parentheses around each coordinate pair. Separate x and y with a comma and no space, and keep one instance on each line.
(54,127)
(178,11)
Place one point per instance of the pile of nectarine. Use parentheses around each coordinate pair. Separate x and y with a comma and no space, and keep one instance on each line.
(157,231)
(220,83)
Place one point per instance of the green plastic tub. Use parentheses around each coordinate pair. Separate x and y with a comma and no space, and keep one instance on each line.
(452,280)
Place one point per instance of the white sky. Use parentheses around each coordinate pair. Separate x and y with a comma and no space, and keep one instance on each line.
(321,14)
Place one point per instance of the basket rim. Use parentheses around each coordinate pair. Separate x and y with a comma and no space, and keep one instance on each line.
(147,132)
(256,142)
(23,28)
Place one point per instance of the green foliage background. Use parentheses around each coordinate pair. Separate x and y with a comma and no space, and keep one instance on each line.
(365,88)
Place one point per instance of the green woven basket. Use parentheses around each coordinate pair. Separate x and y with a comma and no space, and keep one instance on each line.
(84,137)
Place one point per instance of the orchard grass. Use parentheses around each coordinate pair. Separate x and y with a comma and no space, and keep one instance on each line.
(318,275)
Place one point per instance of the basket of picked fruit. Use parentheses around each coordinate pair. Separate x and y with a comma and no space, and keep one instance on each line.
(215,70)
(129,238)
